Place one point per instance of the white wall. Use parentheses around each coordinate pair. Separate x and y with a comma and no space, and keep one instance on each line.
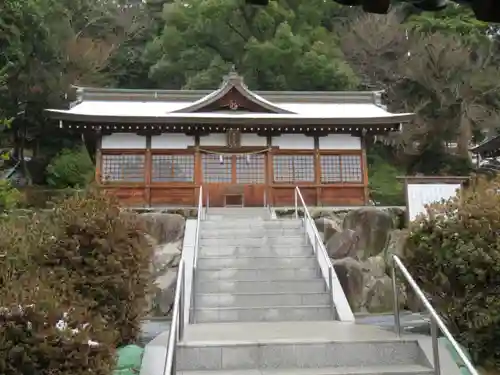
(248,139)
(214,139)
(293,142)
(123,141)
(339,142)
(420,195)
(172,141)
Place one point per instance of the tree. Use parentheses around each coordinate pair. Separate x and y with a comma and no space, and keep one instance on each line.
(281,47)
(46,47)
(446,80)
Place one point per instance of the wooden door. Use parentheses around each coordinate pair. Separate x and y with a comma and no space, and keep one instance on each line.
(251,176)
(217,176)
(234,180)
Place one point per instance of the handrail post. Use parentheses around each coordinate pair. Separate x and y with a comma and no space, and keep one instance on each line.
(395,294)
(435,346)
(296,207)
(330,288)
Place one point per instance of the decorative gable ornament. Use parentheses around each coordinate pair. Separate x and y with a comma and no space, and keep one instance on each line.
(233,105)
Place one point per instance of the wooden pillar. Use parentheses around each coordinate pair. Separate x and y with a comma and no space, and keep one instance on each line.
(148,169)
(198,173)
(364,164)
(317,170)
(269,172)
(98,160)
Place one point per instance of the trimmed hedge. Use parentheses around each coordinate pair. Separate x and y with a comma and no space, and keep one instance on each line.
(86,260)
(454,254)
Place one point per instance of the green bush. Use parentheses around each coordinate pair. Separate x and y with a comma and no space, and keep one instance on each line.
(10,197)
(70,169)
(385,188)
(41,197)
(85,261)
(104,258)
(39,333)
(454,254)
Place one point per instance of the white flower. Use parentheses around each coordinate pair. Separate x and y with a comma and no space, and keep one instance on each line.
(61,325)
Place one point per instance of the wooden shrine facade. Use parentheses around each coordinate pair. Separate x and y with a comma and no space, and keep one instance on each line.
(156,148)
(242,175)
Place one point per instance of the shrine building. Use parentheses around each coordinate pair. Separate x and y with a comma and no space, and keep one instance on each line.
(155,148)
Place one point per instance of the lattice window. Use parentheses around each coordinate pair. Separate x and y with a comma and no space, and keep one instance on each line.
(341,168)
(216,168)
(250,169)
(128,168)
(293,168)
(172,168)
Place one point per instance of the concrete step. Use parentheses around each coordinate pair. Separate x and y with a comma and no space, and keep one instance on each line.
(243,224)
(297,354)
(263,314)
(262,241)
(249,233)
(238,210)
(261,299)
(257,262)
(369,370)
(257,274)
(257,251)
(281,286)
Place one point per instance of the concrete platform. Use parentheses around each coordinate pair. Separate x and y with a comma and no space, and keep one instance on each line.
(266,332)
(372,370)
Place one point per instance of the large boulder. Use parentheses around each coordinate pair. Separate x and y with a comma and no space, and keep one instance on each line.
(328,227)
(350,274)
(165,231)
(342,245)
(372,227)
(164,227)
(396,244)
(379,296)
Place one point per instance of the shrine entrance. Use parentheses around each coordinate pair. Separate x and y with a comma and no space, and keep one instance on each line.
(234,179)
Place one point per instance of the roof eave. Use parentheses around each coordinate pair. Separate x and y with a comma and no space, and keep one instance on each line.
(236,120)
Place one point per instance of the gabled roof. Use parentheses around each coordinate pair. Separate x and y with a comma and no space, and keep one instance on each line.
(232,104)
(232,82)
(488,148)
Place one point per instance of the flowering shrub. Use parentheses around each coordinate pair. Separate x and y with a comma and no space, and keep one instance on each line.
(104,258)
(73,283)
(454,254)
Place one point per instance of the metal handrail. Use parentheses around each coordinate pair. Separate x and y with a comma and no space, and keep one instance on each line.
(198,220)
(436,321)
(195,251)
(318,243)
(177,325)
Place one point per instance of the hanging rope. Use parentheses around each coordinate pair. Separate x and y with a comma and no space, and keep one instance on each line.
(235,153)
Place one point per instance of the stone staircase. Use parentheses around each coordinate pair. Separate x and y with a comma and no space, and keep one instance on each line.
(261,307)
(251,269)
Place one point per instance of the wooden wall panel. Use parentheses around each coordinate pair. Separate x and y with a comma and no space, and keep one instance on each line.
(173,196)
(342,196)
(129,196)
(255,195)
(285,196)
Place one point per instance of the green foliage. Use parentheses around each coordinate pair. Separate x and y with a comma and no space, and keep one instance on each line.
(85,262)
(282,47)
(454,255)
(31,340)
(385,188)
(434,159)
(70,169)
(10,197)
(104,257)
(453,20)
